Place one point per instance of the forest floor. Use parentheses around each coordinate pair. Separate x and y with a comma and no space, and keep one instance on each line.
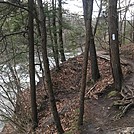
(102,115)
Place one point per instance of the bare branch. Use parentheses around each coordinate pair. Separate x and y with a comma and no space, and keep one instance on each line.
(13,57)
(15,5)
(10,34)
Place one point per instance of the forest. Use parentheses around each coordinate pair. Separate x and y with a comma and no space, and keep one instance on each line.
(66,67)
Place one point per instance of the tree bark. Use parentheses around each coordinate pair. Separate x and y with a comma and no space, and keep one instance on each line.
(124,30)
(31,65)
(88,8)
(120,23)
(52,40)
(61,47)
(133,27)
(114,44)
(98,18)
(55,35)
(94,63)
(46,67)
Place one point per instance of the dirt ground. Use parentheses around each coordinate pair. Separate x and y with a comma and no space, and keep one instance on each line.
(102,117)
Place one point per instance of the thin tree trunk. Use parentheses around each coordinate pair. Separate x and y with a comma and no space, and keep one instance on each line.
(120,24)
(94,63)
(124,20)
(133,27)
(51,39)
(18,86)
(32,66)
(41,69)
(124,30)
(60,33)
(83,81)
(46,67)
(98,18)
(55,34)
(88,8)
(114,44)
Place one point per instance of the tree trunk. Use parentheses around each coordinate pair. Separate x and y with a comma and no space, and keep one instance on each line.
(133,28)
(46,67)
(120,23)
(88,8)
(52,40)
(94,63)
(124,30)
(88,21)
(98,18)
(55,35)
(114,44)
(31,65)
(61,47)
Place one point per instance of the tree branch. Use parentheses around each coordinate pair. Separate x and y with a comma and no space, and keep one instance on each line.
(15,5)
(10,34)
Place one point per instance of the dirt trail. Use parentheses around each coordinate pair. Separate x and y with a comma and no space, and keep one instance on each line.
(101,114)
(129,79)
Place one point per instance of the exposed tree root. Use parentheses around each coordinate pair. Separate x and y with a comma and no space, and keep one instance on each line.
(127,92)
(124,110)
(126,103)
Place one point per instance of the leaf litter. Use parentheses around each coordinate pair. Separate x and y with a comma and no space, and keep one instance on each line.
(66,86)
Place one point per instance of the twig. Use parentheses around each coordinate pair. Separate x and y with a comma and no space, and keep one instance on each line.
(91,89)
(126,108)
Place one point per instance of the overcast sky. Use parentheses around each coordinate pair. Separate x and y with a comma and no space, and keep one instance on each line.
(75,6)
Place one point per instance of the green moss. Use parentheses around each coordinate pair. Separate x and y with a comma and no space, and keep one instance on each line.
(112,94)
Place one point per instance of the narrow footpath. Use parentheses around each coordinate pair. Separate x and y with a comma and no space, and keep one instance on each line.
(112,115)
